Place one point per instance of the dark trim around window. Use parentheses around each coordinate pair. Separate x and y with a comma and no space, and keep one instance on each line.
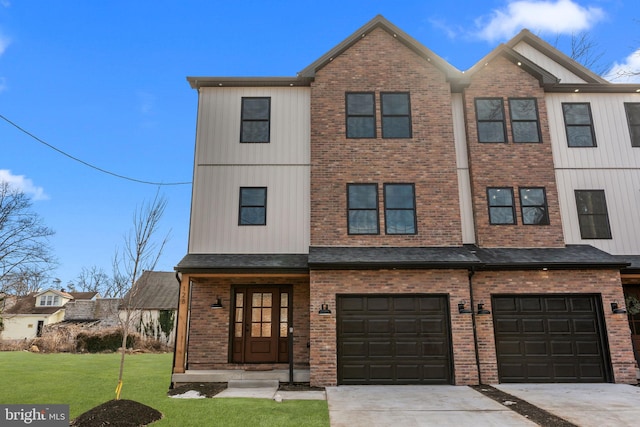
(632,110)
(253,206)
(593,217)
(255,120)
(490,120)
(360,108)
(578,124)
(533,206)
(501,204)
(395,109)
(400,209)
(362,209)
(525,120)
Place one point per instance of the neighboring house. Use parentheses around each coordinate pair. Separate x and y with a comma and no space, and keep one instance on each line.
(384,218)
(153,301)
(30,314)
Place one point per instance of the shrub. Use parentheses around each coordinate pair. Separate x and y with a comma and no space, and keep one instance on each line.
(109,340)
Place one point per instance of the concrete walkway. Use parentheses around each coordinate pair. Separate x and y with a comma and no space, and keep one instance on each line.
(409,406)
(585,405)
(267,390)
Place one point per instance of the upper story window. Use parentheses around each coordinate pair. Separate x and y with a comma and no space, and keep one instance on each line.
(253,206)
(633,118)
(256,118)
(533,206)
(400,209)
(396,115)
(592,214)
(361,117)
(501,207)
(50,300)
(579,124)
(490,120)
(362,204)
(525,126)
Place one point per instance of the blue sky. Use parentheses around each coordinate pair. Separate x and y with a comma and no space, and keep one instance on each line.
(105,83)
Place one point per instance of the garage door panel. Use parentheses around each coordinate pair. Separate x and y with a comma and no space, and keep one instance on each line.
(380,349)
(507,325)
(406,326)
(405,340)
(379,326)
(531,305)
(585,326)
(533,326)
(561,342)
(535,348)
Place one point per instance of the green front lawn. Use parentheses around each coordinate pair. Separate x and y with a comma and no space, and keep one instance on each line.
(86,380)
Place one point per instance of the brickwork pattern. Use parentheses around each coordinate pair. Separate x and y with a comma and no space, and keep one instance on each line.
(604,282)
(326,284)
(208,346)
(380,63)
(512,164)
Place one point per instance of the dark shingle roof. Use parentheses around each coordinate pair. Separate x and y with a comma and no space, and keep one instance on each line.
(202,263)
(633,260)
(155,290)
(391,257)
(27,305)
(570,256)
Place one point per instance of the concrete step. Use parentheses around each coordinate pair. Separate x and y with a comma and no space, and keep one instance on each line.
(253,384)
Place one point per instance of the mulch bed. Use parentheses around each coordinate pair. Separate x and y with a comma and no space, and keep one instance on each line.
(121,413)
(522,407)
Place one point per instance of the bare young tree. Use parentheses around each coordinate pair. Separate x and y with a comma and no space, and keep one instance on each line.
(141,252)
(94,279)
(24,280)
(24,239)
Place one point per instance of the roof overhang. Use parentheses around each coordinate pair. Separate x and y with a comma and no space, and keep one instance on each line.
(243,263)
(200,82)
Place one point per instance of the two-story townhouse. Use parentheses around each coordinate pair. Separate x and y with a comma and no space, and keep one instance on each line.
(383,218)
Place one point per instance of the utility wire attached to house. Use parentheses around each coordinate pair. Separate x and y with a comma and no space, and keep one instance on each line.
(89,164)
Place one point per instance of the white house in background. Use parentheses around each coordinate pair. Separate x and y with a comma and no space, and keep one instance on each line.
(26,318)
(153,301)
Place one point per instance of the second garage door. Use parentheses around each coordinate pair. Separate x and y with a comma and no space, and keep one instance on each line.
(550,338)
(394,339)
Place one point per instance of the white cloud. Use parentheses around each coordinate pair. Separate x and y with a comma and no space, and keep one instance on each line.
(620,72)
(146,102)
(554,17)
(4,43)
(20,182)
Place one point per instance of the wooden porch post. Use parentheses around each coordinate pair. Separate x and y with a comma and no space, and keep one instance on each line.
(182,326)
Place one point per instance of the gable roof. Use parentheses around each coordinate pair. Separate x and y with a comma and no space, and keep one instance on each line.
(27,305)
(381,22)
(154,290)
(61,293)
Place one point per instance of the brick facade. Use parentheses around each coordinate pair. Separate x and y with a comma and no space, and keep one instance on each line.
(326,284)
(380,63)
(511,164)
(209,329)
(603,282)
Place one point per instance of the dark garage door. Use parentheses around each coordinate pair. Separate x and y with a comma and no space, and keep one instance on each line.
(550,338)
(393,339)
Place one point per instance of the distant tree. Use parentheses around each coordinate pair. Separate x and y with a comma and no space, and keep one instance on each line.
(94,279)
(583,49)
(141,252)
(25,254)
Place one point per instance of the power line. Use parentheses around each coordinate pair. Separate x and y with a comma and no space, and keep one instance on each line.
(89,164)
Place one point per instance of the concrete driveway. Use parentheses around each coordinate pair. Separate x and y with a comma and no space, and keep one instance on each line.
(408,406)
(583,404)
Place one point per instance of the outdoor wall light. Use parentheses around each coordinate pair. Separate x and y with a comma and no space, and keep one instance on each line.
(616,309)
(217,304)
(324,310)
(482,310)
(463,310)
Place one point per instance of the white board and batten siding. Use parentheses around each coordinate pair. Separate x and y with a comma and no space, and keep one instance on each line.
(462,165)
(547,63)
(613,166)
(223,165)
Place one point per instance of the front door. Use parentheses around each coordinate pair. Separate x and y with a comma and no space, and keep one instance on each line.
(261,324)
